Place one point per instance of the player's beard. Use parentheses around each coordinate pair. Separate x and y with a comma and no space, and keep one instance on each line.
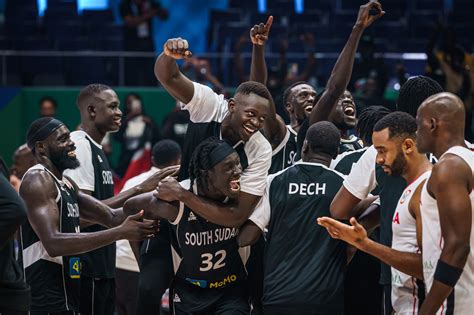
(63,162)
(398,164)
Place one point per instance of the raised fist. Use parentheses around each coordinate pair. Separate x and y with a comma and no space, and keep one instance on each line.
(177,48)
(259,33)
(369,13)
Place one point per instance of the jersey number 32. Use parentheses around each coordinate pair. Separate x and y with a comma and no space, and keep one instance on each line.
(208,260)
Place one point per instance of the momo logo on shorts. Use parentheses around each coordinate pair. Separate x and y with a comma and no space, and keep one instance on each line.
(227,280)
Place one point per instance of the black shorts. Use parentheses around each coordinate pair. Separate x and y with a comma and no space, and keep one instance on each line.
(97,296)
(190,300)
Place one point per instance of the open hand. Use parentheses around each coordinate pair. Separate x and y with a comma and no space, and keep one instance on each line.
(135,228)
(259,33)
(354,234)
(177,48)
(365,19)
(152,181)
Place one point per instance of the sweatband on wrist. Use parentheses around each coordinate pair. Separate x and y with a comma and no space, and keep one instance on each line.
(219,153)
(447,274)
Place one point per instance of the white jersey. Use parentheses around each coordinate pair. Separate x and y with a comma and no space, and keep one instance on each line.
(406,297)
(461,300)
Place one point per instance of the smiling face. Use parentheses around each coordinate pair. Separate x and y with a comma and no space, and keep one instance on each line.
(248,114)
(224,177)
(301,102)
(61,149)
(107,114)
(390,155)
(344,114)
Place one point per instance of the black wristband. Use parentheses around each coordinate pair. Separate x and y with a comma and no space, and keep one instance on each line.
(447,274)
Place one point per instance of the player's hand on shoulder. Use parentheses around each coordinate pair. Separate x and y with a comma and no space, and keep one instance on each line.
(177,48)
(369,13)
(168,190)
(135,228)
(259,33)
(151,183)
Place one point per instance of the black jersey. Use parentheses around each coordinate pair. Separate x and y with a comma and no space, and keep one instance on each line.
(285,154)
(54,281)
(343,162)
(351,144)
(205,254)
(100,263)
(304,267)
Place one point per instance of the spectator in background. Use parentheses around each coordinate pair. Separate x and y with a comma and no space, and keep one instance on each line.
(138,36)
(14,292)
(135,132)
(372,70)
(199,70)
(48,106)
(175,124)
(23,159)
(453,68)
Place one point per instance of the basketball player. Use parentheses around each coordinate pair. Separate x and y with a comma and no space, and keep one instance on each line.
(304,269)
(365,176)
(447,202)
(395,141)
(237,121)
(14,292)
(51,238)
(99,109)
(365,125)
(155,261)
(209,270)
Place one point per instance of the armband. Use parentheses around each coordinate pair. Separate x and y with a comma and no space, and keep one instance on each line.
(447,274)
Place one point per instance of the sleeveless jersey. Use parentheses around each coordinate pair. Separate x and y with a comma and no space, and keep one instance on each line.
(344,161)
(100,263)
(407,291)
(54,281)
(206,254)
(351,144)
(284,155)
(461,300)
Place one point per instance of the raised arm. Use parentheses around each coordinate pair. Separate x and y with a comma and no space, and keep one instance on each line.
(148,185)
(341,73)
(274,126)
(12,211)
(39,192)
(450,183)
(356,236)
(167,71)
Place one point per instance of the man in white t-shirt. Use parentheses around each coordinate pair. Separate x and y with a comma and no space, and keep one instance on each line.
(237,121)
(153,276)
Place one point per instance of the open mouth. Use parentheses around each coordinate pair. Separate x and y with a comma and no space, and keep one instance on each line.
(349,110)
(249,130)
(72,154)
(118,121)
(235,185)
(308,108)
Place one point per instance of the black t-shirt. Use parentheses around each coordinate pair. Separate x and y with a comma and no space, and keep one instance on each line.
(132,40)
(55,281)
(304,267)
(14,292)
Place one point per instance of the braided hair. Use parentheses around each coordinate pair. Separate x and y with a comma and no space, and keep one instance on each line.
(415,91)
(200,160)
(367,120)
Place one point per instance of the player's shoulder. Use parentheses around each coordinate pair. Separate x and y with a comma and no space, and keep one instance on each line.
(78,135)
(36,178)
(259,145)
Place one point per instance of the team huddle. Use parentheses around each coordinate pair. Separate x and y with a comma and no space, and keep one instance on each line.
(261,217)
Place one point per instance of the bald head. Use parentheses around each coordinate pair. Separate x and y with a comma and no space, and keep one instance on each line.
(446,108)
(440,119)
